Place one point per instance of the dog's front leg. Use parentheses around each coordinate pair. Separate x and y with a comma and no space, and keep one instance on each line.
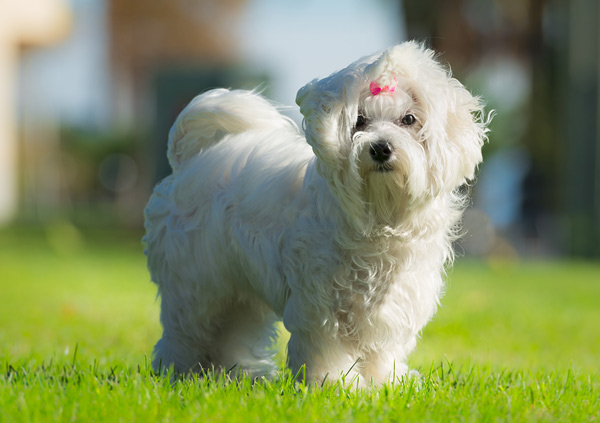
(324,357)
(315,345)
(389,364)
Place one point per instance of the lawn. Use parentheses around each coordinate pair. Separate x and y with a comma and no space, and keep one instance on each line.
(513,341)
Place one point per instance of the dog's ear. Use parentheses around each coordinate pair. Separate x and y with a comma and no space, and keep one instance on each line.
(324,104)
(456,139)
(321,105)
(303,97)
(466,128)
(320,97)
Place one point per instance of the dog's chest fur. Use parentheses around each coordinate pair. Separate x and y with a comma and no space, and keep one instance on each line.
(378,287)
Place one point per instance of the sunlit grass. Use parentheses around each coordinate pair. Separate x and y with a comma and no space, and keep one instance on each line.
(78,320)
(542,315)
(77,393)
(97,296)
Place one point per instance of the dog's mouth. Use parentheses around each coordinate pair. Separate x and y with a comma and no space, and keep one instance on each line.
(384,168)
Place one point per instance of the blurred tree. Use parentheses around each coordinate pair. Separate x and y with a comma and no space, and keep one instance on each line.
(579,115)
(175,87)
(556,43)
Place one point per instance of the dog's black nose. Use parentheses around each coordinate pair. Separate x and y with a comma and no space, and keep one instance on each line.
(381,151)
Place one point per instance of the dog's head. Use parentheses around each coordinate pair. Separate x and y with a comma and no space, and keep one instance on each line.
(391,131)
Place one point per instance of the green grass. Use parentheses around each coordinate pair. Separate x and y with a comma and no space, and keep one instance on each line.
(78,319)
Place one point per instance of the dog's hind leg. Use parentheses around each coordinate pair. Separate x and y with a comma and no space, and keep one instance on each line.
(191,325)
(182,352)
(246,338)
(186,346)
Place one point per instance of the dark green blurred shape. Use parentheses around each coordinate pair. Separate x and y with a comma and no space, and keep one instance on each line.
(175,87)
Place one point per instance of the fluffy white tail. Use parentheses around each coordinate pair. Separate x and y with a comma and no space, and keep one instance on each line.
(211,116)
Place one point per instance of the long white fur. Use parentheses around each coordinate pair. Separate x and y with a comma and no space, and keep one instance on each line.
(258,223)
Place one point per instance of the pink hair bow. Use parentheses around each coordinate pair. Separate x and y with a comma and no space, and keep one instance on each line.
(377,89)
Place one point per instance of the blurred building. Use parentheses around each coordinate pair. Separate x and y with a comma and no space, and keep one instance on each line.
(148,36)
(162,54)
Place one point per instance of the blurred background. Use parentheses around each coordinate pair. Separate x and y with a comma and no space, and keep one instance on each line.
(89,89)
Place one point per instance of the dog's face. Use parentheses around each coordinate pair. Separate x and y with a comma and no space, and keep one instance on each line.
(392,131)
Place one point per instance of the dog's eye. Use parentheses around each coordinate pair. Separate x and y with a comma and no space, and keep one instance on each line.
(408,120)
(360,121)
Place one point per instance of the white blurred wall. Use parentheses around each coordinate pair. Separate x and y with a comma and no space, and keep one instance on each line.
(23,23)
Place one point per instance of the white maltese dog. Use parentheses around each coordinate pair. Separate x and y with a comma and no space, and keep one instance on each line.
(342,233)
